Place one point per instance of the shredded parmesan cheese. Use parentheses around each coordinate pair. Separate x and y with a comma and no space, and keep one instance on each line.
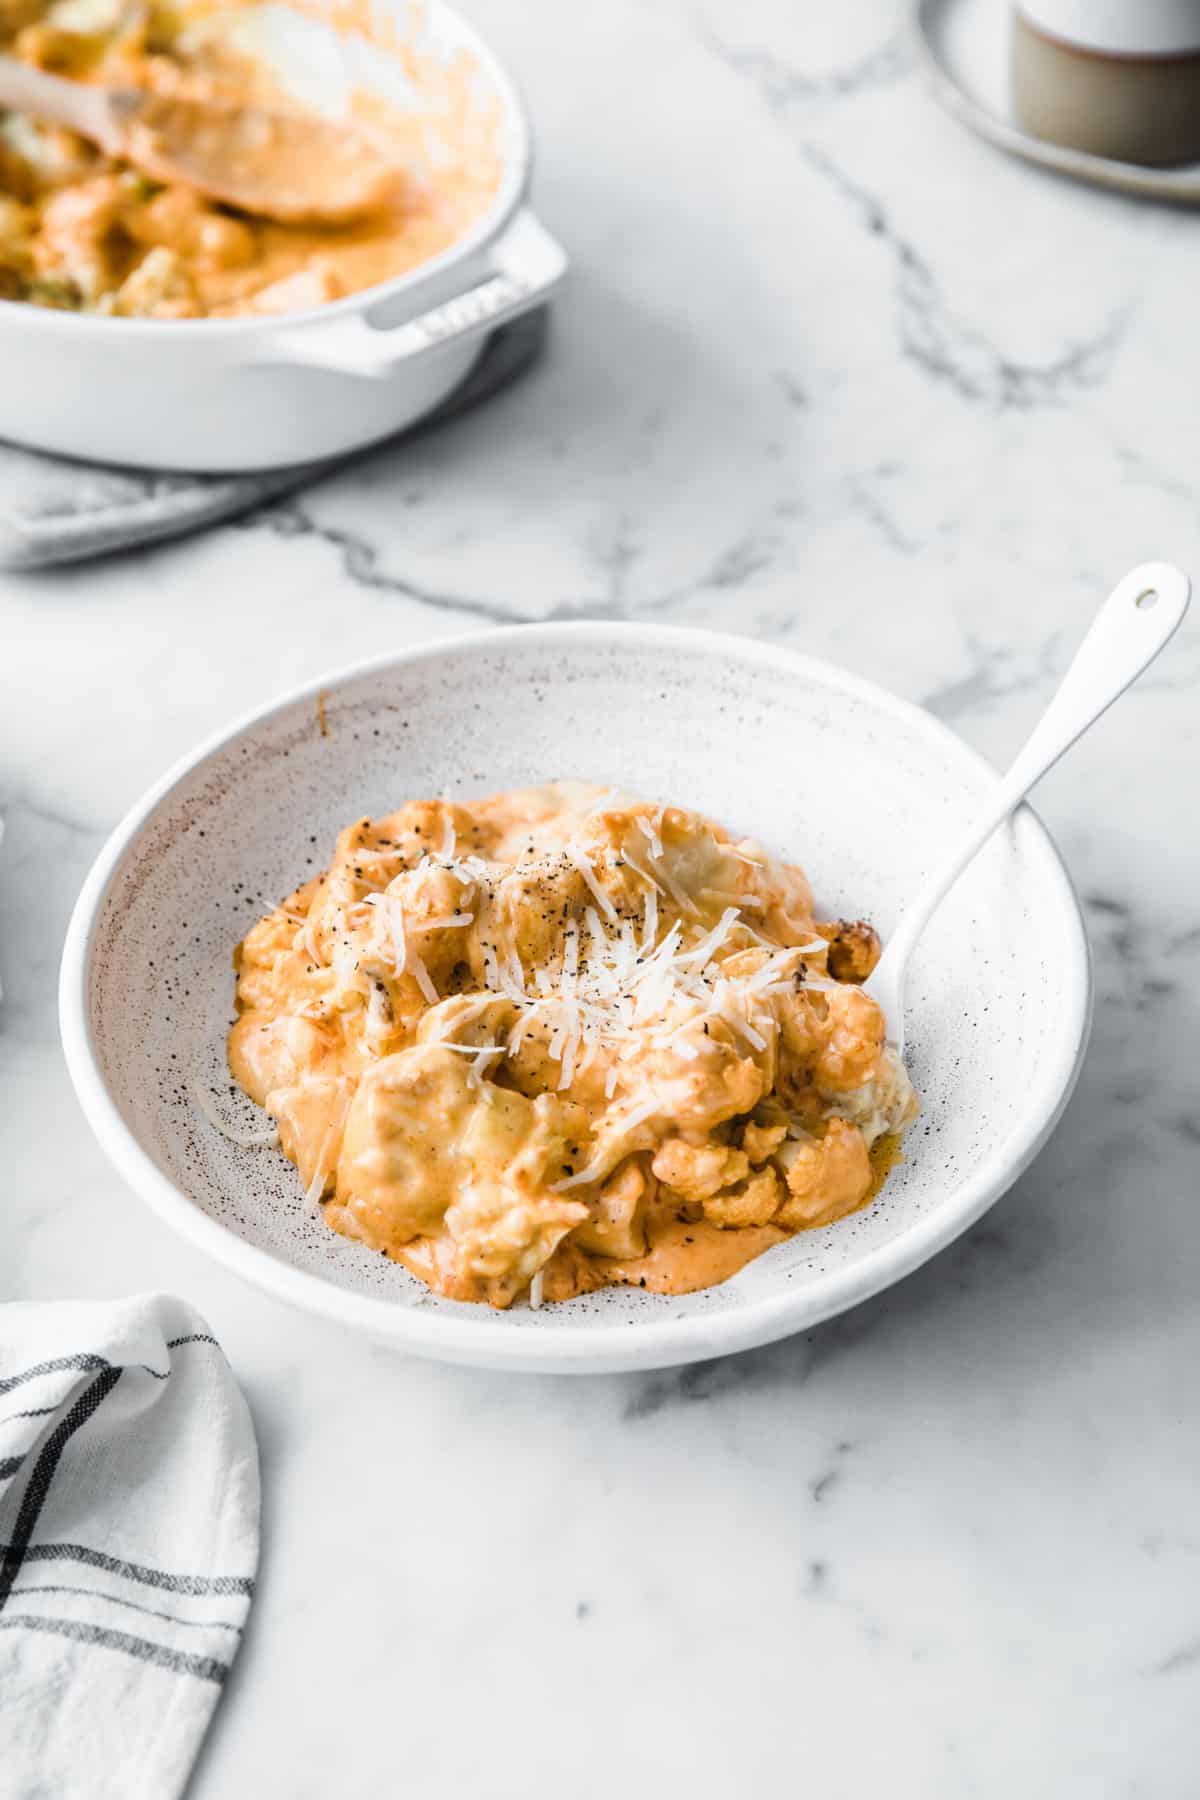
(592,1172)
(421,976)
(306,941)
(702,953)
(683,901)
(245,1140)
(650,833)
(393,915)
(645,874)
(725,1007)
(583,862)
(327,1155)
(482,1063)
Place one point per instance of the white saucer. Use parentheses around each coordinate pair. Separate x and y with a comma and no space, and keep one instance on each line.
(965,46)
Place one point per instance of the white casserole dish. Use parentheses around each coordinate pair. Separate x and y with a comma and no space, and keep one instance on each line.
(239,394)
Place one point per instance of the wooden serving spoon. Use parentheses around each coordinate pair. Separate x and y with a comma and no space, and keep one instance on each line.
(1137,620)
(286,166)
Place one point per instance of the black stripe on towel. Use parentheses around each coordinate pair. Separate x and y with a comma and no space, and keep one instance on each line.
(31,1412)
(87,1359)
(153,1612)
(84,1359)
(38,1486)
(157,1578)
(10,1464)
(179,1662)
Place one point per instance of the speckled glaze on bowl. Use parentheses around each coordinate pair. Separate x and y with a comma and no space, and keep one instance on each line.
(860,787)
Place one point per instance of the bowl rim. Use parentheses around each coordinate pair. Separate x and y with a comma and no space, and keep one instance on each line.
(480,1338)
(509,196)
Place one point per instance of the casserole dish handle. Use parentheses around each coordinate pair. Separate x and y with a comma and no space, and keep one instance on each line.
(527,264)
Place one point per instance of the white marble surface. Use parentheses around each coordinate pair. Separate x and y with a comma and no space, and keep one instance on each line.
(831,373)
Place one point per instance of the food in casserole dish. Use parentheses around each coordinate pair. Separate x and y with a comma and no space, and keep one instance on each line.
(82,232)
(559,1039)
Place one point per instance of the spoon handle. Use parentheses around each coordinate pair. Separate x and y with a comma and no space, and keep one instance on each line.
(1137,620)
(51,97)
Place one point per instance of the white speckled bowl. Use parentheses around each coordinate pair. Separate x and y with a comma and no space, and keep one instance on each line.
(860,787)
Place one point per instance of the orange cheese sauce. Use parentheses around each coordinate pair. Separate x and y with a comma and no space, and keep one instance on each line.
(560,1039)
(80,231)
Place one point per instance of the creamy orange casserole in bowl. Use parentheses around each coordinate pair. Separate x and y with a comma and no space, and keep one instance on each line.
(557,1040)
(530,1041)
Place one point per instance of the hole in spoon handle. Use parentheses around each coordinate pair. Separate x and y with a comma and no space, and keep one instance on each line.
(1139,617)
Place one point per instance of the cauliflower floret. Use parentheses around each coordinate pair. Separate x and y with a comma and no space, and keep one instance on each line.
(436,828)
(617,1223)
(761,1141)
(178,219)
(77,234)
(826,1177)
(505,1220)
(161,287)
(528,912)
(273,956)
(17,225)
(311,1117)
(853,948)
(698,1171)
(885,1104)
(502,1241)
(852,1050)
(265,1054)
(468,1019)
(832,1037)
(425,1149)
(752,1202)
(693,862)
(400,1161)
(419,905)
(719,1082)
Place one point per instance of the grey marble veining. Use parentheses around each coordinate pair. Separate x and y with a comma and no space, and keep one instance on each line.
(831,373)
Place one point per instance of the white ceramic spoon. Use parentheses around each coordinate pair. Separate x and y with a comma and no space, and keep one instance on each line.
(1136,621)
(287,166)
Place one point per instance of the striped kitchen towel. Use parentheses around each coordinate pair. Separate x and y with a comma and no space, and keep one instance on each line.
(128,1545)
(54,511)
